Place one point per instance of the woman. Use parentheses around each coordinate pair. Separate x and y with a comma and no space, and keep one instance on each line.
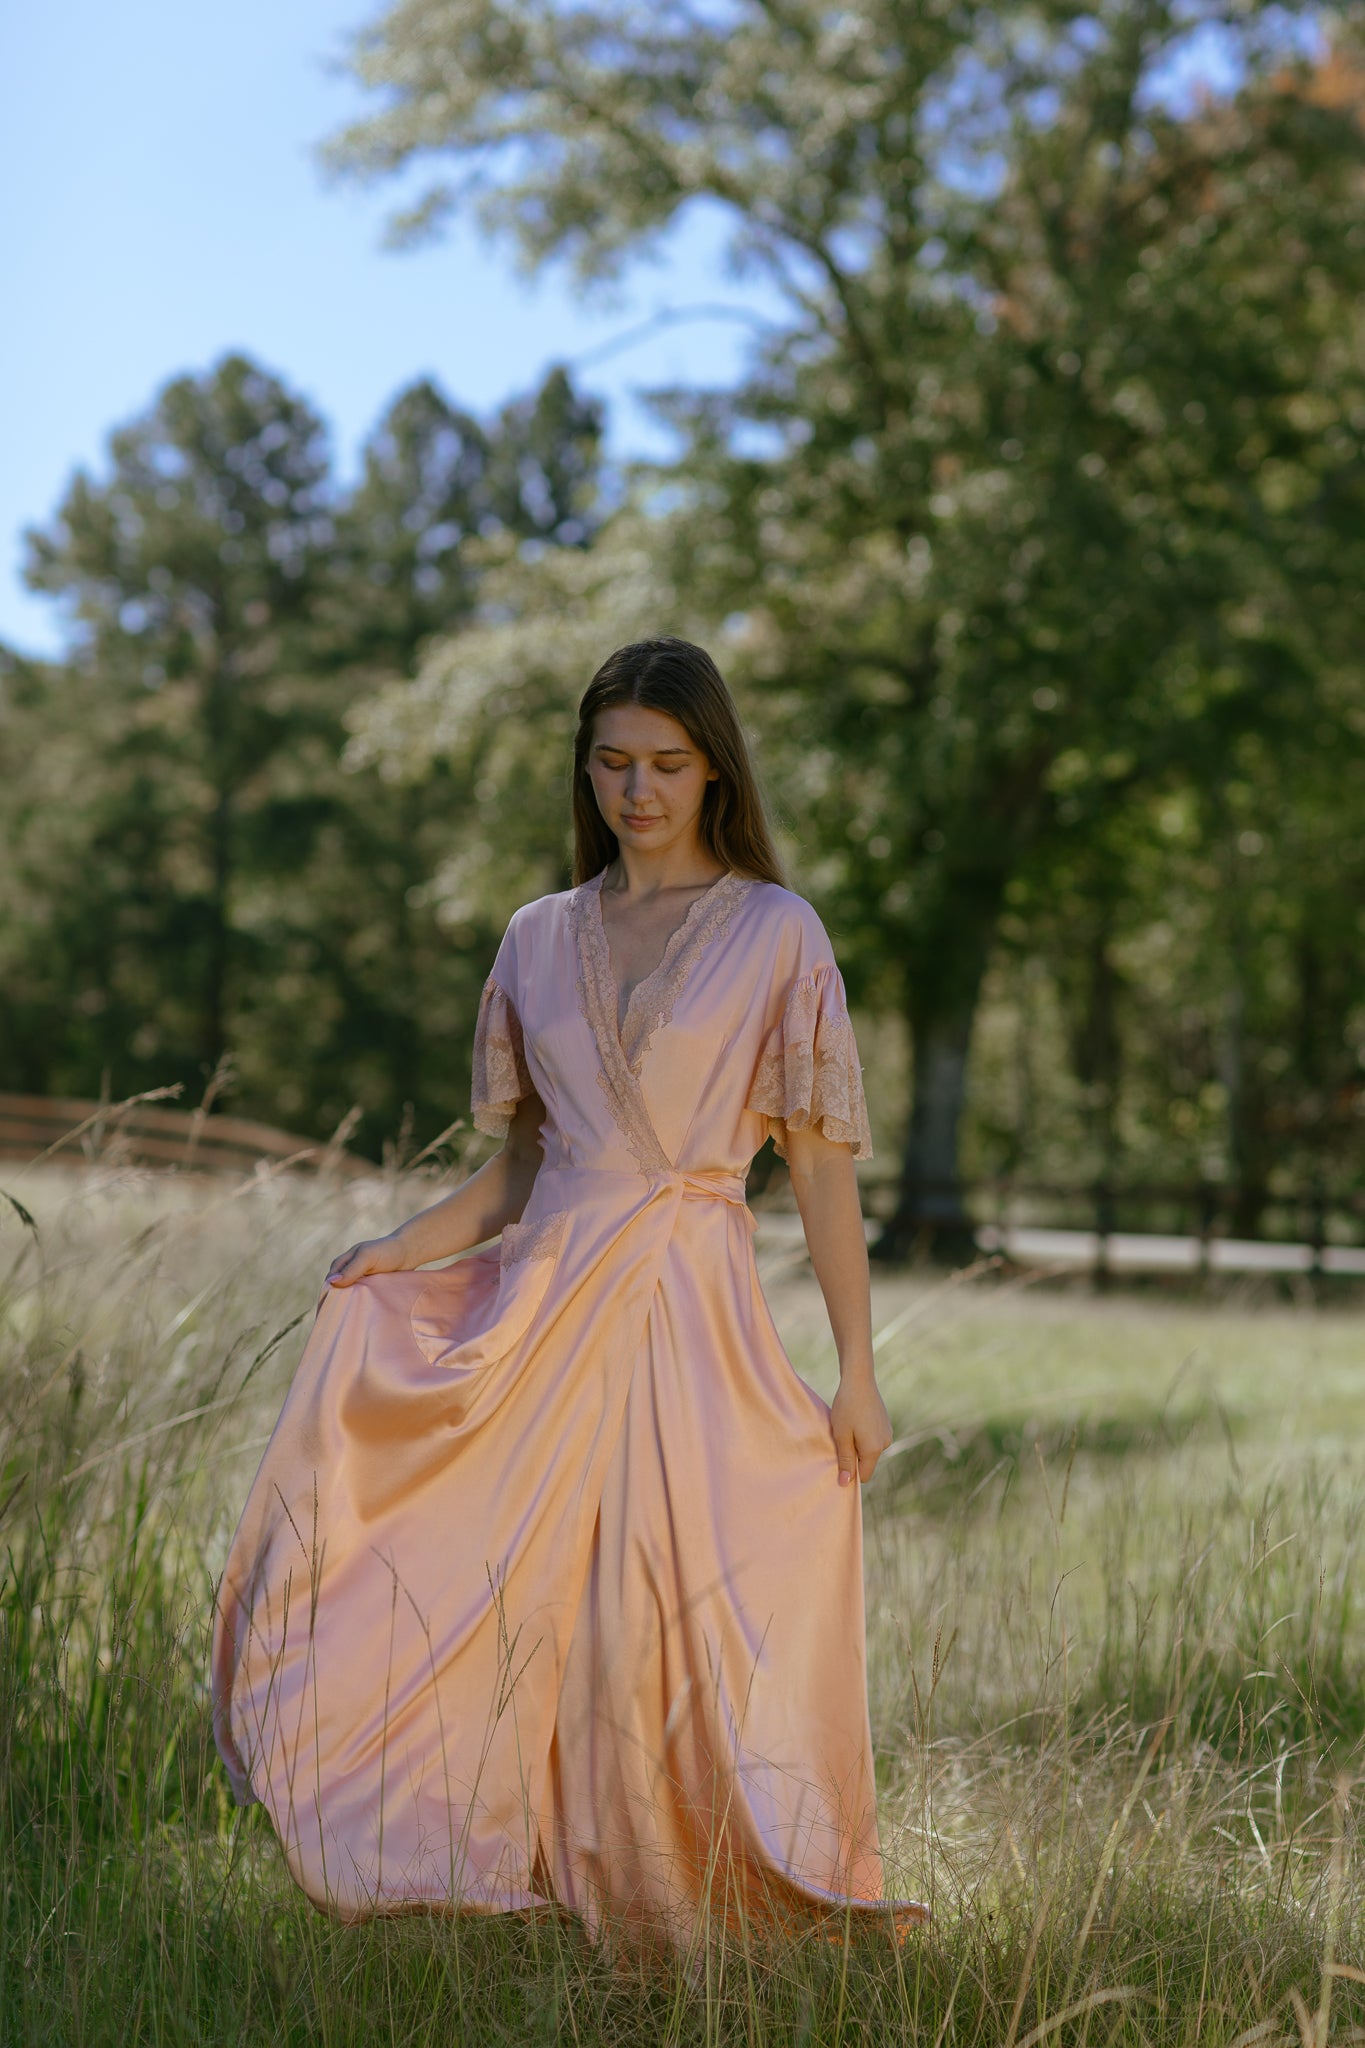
(549,1587)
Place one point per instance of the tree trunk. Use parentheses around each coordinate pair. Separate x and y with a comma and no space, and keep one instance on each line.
(931,1216)
(1098,1052)
(943,987)
(1245,1155)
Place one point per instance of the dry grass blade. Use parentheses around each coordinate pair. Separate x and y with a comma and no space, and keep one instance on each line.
(1120,1994)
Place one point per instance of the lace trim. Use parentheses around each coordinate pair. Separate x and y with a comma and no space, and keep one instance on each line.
(651,1003)
(539,1239)
(808,1075)
(653,999)
(597,1000)
(501,1077)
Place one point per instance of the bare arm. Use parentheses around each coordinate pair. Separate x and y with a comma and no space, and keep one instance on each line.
(473,1212)
(825,1183)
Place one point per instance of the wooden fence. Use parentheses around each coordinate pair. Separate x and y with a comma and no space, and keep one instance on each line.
(1324,1228)
(1202,1207)
(144,1131)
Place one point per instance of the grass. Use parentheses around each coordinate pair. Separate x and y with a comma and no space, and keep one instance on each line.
(1116,1566)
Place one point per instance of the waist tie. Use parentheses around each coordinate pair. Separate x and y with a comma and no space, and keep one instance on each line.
(726,1187)
(715,1184)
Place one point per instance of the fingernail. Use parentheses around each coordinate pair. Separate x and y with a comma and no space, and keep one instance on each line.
(845,1479)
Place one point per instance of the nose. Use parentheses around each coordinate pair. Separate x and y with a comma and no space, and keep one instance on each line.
(637,782)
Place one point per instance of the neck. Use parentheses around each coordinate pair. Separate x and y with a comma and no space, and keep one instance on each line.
(688,865)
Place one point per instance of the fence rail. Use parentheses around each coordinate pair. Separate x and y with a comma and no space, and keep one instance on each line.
(1158,1226)
(144,1132)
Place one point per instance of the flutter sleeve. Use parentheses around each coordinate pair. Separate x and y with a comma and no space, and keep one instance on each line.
(501,1078)
(808,1076)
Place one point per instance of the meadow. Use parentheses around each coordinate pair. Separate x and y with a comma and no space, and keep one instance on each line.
(1116,1610)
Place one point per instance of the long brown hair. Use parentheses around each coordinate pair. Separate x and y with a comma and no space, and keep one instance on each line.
(674,676)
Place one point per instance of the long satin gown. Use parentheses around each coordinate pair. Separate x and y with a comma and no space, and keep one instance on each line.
(546,1589)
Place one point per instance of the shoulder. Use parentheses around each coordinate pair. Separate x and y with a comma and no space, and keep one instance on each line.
(790,926)
(529,928)
(541,911)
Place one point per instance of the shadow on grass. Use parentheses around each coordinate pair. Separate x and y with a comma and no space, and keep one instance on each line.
(947,1468)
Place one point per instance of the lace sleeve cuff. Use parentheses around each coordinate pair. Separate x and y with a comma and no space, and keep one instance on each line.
(808,1076)
(501,1077)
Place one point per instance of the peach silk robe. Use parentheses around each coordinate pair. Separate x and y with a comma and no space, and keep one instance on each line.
(546,1590)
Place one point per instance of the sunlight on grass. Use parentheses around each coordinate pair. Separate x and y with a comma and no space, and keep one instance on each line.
(1117,1666)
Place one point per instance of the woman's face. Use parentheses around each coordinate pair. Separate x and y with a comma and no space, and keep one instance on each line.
(648,777)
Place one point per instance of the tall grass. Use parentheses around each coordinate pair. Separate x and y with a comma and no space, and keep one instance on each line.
(1117,1671)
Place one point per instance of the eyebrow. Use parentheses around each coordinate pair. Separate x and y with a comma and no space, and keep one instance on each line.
(606,747)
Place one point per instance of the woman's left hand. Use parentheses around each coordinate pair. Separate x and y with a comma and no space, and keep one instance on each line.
(860,1426)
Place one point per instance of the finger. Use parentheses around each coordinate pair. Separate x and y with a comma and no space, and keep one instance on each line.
(339,1273)
(867,1464)
(846,1452)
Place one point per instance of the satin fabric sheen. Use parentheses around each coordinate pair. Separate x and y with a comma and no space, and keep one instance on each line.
(546,1591)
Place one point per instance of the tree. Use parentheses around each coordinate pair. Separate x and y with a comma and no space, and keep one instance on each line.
(434,480)
(494,708)
(191,573)
(194,872)
(43,996)
(441,495)
(1048,466)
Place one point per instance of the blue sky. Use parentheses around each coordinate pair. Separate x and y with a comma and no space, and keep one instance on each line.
(164,205)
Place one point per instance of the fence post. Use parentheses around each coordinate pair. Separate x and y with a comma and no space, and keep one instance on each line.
(1104,1225)
(1318,1227)
(1208,1216)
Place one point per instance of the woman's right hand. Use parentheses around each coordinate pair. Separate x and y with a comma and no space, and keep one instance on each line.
(371,1255)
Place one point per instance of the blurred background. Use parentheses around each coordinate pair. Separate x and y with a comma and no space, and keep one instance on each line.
(985,387)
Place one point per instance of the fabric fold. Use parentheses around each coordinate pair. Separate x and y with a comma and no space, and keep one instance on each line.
(464,1329)
(808,1076)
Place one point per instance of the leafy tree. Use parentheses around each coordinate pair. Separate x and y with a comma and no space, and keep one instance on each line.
(190,574)
(440,496)
(494,708)
(1058,436)
(42,997)
(400,571)
(1198,953)
(196,874)
(434,480)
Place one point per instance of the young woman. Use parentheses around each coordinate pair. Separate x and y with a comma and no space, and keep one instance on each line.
(549,1588)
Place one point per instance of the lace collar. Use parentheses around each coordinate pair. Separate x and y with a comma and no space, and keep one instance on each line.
(653,997)
(622,1044)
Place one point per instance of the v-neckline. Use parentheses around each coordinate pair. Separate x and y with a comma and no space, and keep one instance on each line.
(673,945)
(622,1042)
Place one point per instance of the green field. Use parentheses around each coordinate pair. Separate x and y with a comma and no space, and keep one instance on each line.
(1116,1565)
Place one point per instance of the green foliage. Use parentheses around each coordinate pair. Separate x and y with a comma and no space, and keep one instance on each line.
(497,706)
(189,576)
(1056,500)
(201,886)
(1201,952)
